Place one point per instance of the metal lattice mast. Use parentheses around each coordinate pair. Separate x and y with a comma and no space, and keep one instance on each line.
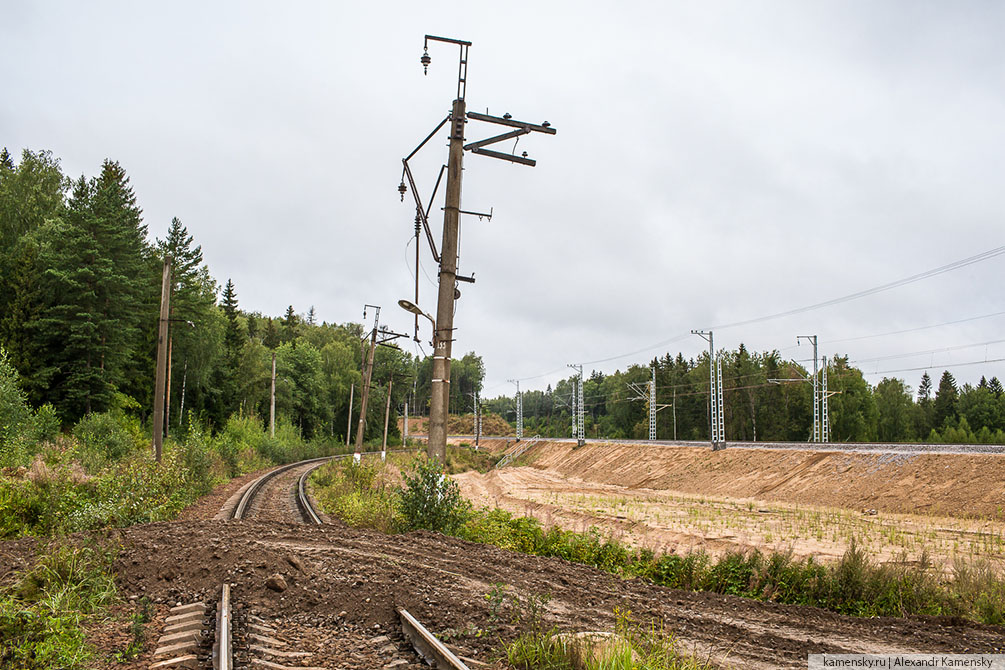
(713,405)
(519,410)
(816,386)
(718,399)
(581,437)
(825,424)
(573,411)
(578,407)
(652,407)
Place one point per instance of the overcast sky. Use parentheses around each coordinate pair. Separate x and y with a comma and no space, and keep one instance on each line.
(715,162)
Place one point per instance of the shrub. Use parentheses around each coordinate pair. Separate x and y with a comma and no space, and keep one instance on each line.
(103,439)
(46,424)
(15,416)
(431,500)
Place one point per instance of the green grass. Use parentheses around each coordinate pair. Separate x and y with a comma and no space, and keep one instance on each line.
(633,646)
(42,613)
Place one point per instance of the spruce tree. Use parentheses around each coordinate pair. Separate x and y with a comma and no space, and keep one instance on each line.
(271,337)
(946,399)
(193,299)
(233,346)
(290,325)
(252,326)
(97,278)
(233,338)
(995,387)
(924,412)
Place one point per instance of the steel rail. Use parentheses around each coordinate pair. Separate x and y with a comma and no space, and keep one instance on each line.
(223,658)
(252,491)
(432,650)
(303,500)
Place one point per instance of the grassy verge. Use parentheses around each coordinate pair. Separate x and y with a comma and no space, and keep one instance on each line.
(854,585)
(42,612)
(104,474)
(632,646)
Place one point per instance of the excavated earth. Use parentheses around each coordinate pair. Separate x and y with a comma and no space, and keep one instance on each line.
(344,587)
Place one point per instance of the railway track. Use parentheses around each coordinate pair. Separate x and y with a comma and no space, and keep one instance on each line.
(243,639)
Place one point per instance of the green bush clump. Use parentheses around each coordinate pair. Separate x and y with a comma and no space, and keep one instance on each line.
(21,430)
(431,500)
(103,439)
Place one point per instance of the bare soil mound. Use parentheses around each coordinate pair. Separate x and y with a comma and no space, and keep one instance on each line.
(953,485)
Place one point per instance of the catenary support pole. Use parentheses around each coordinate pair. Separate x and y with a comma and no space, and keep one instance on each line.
(444,335)
(387,416)
(160,375)
(365,394)
(348,428)
(272,399)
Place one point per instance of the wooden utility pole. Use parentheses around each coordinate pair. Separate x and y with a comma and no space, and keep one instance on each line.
(387,413)
(348,428)
(167,390)
(444,334)
(365,396)
(161,374)
(272,399)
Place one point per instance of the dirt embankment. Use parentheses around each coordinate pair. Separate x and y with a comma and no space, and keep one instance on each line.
(955,485)
(679,499)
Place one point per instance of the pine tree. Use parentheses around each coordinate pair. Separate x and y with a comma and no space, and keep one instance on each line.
(995,387)
(925,388)
(311,317)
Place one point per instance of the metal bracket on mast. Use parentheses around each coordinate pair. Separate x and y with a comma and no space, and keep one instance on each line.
(523,128)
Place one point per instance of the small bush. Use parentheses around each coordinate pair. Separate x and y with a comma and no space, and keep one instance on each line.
(431,500)
(103,439)
(46,424)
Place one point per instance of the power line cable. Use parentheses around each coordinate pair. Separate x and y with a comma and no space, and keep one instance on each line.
(929,367)
(970,260)
(949,267)
(925,352)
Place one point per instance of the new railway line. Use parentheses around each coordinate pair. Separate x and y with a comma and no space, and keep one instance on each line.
(875,447)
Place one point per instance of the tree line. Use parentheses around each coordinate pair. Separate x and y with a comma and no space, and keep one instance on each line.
(79,309)
(766,398)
